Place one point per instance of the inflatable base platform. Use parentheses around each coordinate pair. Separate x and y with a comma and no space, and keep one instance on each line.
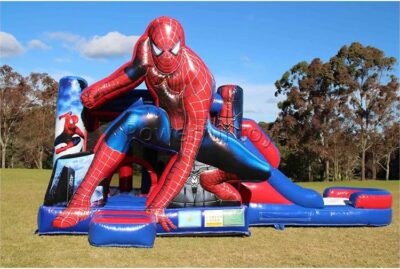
(280,216)
(198,220)
(232,220)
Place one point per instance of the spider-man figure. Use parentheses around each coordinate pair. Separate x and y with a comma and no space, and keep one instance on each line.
(67,136)
(183,90)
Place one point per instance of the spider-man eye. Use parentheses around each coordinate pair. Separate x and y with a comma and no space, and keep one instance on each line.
(175,50)
(156,50)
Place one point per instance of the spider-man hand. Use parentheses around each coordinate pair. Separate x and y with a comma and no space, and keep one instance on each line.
(162,219)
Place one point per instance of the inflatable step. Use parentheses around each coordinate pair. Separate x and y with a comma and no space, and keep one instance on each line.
(368,198)
(122,228)
(47,214)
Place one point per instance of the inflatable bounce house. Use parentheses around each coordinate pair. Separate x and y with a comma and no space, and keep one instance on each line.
(199,166)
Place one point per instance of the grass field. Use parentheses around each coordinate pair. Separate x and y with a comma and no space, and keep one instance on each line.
(22,192)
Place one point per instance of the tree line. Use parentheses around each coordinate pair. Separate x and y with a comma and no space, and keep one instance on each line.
(27,118)
(339,119)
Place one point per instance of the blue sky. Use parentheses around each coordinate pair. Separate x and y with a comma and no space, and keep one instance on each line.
(250,44)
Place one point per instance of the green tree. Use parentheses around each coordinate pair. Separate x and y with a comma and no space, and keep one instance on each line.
(26,118)
(14,101)
(366,76)
(36,135)
(390,142)
(311,112)
(334,112)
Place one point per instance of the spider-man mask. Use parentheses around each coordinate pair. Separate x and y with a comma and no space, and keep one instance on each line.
(74,119)
(166,40)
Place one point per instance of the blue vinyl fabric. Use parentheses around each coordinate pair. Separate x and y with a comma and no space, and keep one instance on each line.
(298,195)
(146,123)
(125,201)
(116,234)
(150,126)
(217,103)
(47,214)
(254,214)
(230,220)
(294,215)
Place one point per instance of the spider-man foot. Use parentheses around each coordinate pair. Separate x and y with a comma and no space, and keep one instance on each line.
(217,148)
(71,142)
(214,181)
(162,219)
(102,167)
(142,120)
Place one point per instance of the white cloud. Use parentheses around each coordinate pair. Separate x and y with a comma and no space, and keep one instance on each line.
(37,44)
(9,45)
(110,45)
(259,101)
(64,36)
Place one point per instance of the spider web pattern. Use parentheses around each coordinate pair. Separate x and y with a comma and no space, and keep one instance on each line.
(187,98)
(104,164)
(165,33)
(226,117)
(108,88)
(214,181)
(196,100)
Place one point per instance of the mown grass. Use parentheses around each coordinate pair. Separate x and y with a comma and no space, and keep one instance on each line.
(22,192)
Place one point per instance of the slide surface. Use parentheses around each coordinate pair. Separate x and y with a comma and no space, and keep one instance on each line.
(298,195)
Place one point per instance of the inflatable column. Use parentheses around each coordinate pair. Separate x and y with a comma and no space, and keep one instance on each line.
(231,113)
(70,132)
(126,178)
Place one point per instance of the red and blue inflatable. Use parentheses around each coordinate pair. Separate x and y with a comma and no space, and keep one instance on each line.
(205,168)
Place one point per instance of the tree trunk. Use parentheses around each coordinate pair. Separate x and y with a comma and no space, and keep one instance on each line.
(387,166)
(40,161)
(309,172)
(373,168)
(363,150)
(337,173)
(335,164)
(3,157)
(363,164)
(326,173)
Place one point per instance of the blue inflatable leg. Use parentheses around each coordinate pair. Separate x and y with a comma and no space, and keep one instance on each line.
(147,124)
(229,154)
